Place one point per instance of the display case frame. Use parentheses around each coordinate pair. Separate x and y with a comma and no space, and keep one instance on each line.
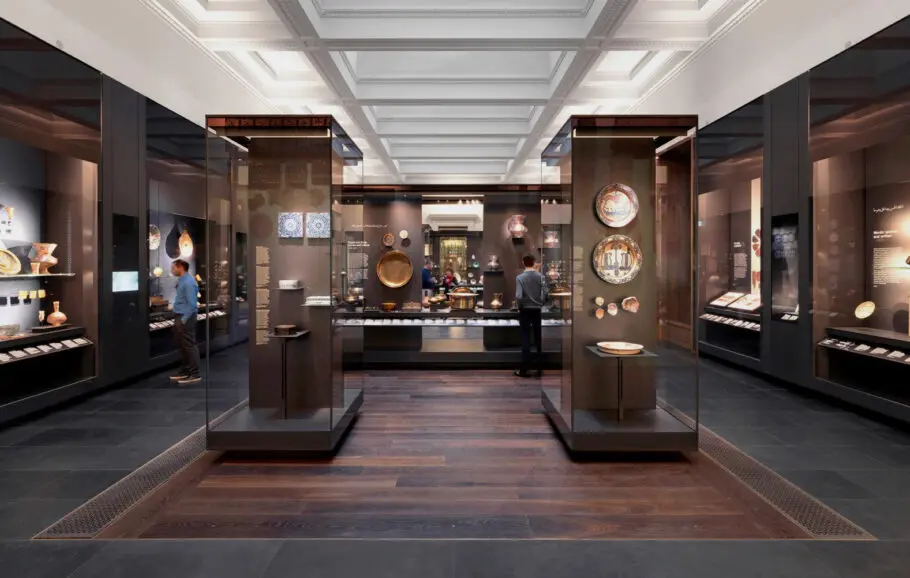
(601,401)
(298,397)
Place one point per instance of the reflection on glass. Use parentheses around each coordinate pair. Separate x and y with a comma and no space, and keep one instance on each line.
(861,281)
(730,164)
(50,149)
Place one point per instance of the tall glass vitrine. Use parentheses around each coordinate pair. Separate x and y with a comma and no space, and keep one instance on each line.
(297,395)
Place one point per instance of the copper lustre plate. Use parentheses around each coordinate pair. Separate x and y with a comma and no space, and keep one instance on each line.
(616,205)
(394,269)
(617,259)
(9,263)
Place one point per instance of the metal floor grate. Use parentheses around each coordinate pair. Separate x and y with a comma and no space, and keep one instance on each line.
(814,517)
(90,518)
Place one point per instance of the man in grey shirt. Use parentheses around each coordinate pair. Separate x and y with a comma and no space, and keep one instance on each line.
(530,296)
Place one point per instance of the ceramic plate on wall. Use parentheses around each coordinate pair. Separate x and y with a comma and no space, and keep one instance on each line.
(617,259)
(394,269)
(403,234)
(388,239)
(616,205)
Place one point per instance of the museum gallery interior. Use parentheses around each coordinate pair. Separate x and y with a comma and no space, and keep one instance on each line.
(722,357)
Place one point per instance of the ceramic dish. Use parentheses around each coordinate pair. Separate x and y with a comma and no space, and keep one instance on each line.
(389,306)
(864,310)
(617,259)
(620,347)
(388,239)
(394,269)
(403,234)
(616,205)
(9,263)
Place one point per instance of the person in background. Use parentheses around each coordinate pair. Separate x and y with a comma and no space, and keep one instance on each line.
(427,284)
(186,307)
(530,296)
(449,279)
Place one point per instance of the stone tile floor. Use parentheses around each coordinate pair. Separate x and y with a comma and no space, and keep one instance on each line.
(855,464)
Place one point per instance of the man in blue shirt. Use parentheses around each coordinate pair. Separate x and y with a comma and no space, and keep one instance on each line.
(186,307)
(427,284)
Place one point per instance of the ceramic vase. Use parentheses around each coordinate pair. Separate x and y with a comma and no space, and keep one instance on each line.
(496,303)
(552,273)
(57,318)
(517,226)
(186,245)
(550,239)
(44,256)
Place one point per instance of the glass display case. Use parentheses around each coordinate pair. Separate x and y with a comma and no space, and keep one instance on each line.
(177,223)
(463,314)
(626,383)
(861,202)
(50,150)
(297,395)
(730,166)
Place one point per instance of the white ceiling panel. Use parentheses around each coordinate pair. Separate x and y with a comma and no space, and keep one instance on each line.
(442,91)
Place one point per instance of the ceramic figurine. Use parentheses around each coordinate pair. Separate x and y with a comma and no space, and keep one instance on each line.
(493,265)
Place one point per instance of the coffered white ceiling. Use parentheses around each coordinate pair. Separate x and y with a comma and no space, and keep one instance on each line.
(463,91)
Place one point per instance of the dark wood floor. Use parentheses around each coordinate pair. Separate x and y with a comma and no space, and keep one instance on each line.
(455,455)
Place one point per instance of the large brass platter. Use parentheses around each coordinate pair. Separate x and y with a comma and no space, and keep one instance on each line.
(617,259)
(394,269)
(616,205)
(9,263)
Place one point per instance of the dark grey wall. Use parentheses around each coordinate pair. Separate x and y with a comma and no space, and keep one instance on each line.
(123,330)
(596,163)
(393,216)
(786,190)
(497,209)
(306,260)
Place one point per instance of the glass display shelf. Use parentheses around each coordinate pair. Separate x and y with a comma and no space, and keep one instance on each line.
(732,322)
(443,322)
(870,350)
(168,323)
(42,344)
(35,276)
(733,313)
